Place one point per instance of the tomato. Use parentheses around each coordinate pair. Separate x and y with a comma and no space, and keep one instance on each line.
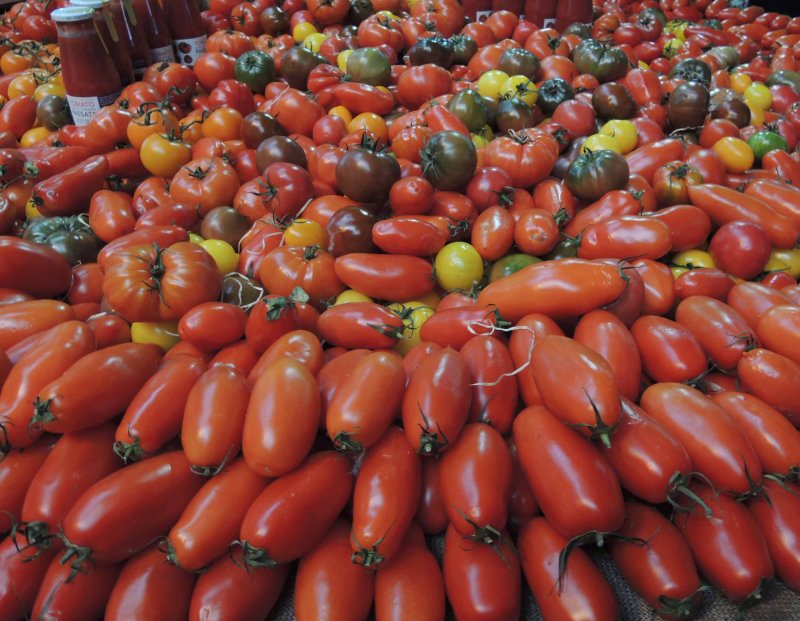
(751,300)
(147,283)
(22,572)
(482,581)
(384,500)
(366,401)
(612,205)
(149,586)
(313,270)
(205,183)
(32,268)
(628,236)
(662,570)
(287,520)
(68,404)
(656,335)
(685,412)
(421,236)
(740,248)
(746,562)
(212,325)
(436,402)
(300,345)
(562,467)
(111,215)
(17,470)
(649,158)
(688,225)
(576,589)
(771,377)
(390,277)
(360,325)
(411,585)
(494,389)
(431,512)
(527,156)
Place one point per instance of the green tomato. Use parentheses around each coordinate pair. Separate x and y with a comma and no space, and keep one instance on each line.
(510,264)
(458,266)
(765,141)
(255,69)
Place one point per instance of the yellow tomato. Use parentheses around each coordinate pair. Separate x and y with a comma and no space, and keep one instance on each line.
(195,238)
(756,115)
(677,27)
(479,141)
(413,315)
(50,88)
(313,41)
(223,254)
(735,153)
(758,95)
(601,142)
(677,271)
(31,210)
(32,136)
(625,133)
(520,87)
(371,122)
(163,334)
(22,86)
(458,266)
(162,156)
(342,112)
(303,232)
(671,47)
(776,265)
(302,30)
(387,15)
(643,65)
(341,59)
(740,82)
(790,258)
(691,259)
(490,83)
(351,295)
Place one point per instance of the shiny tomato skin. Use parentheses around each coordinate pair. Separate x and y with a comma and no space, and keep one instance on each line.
(328,585)
(21,574)
(83,597)
(776,514)
(294,512)
(670,352)
(366,401)
(282,418)
(628,236)
(704,281)
(740,248)
(583,591)
(213,418)
(300,345)
(396,278)
(385,499)
(212,325)
(659,286)
(494,389)
(728,547)
(751,300)
(573,482)
(70,403)
(149,587)
(483,583)
(195,541)
(607,335)
(431,512)
(521,344)
(77,461)
(476,479)
(592,401)
(778,330)
(688,225)
(334,373)
(17,470)
(436,402)
(456,326)
(716,445)
(360,325)
(227,592)
(154,415)
(19,321)
(662,567)
(156,491)
(32,268)
(410,586)
(773,378)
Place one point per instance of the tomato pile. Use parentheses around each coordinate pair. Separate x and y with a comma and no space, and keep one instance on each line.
(369,272)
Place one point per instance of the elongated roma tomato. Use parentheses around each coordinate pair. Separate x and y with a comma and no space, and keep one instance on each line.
(392,277)
(715,443)
(21,320)
(213,419)
(522,505)
(453,327)
(573,482)
(282,418)
(581,592)
(410,586)
(77,461)
(294,512)
(590,399)
(773,378)
(661,570)
(476,479)
(523,339)
(728,547)
(212,325)
(483,582)
(153,417)
(149,587)
(628,236)
(71,403)
(494,388)
(559,288)
(385,499)
(431,512)
(21,574)
(300,345)
(752,299)
(32,268)
(360,325)
(18,468)
(436,402)
(196,540)
(779,330)
(226,591)
(329,586)
(776,513)
(670,352)
(366,401)
(154,491)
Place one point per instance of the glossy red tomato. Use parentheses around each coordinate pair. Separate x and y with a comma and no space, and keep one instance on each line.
(21,320)
(431,512)
(299,345)
(740,248)
(357,325)
(777,329)
(773,378)
(670,352)
(21,574)
(310,268)
(17,470)
(751,300)
(494,389)
(212,325)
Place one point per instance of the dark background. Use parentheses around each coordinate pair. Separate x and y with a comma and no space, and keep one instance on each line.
(789,7)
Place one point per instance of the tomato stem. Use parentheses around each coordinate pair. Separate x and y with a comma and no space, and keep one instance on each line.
(129,451)
(681,608)
(41,414)
(77,557)
(252,556)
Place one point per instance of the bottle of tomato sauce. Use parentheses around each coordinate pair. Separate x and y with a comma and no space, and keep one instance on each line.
(111,31)
(149,13)
(134,36)
(90,78)
(541,12)
(186,26)
(573,12)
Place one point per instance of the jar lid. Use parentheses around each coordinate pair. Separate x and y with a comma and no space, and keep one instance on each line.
(72,14)
(94,4)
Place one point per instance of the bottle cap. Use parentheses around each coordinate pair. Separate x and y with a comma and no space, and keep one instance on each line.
(72,14)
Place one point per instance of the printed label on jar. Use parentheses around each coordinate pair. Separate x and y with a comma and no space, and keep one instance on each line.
(163,54)
(481,16)
(549,22)
(189,50)
(84,108)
